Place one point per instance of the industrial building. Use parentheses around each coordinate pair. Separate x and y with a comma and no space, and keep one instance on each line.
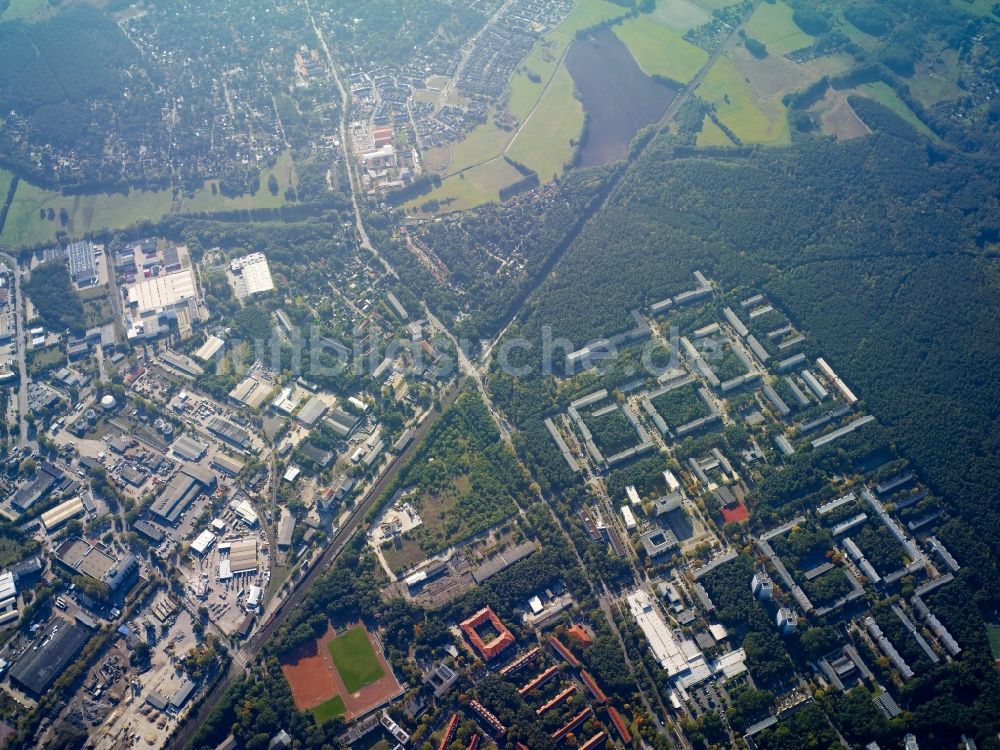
(286,527)
(243,556)
(38,667)
(230,433)
(251,275)
(313,410)
(342,422)
(82,263)
(502,561)
(188,449)
(250,392)
(46,480)
(158,301)
(182,489)
(210,349)
(203,542)
(55,517)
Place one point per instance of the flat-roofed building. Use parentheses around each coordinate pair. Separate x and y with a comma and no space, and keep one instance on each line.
(148,530)
(203,542)
(245,512)
(80,557)
(286,527)
(251,275)
(82,263)
(155,302)
(8,586)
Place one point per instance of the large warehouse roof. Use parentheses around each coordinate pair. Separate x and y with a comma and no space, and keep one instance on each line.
(55,517)
(37,668)
(243,556)
(160,292)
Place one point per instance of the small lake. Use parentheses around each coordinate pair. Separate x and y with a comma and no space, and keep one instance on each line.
(617,96)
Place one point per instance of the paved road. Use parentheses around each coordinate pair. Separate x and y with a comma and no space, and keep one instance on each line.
(345,147)
(248,653)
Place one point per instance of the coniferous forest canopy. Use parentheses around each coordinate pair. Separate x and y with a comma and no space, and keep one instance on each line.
(240,244)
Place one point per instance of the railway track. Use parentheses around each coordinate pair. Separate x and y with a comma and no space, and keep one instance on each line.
(248,654)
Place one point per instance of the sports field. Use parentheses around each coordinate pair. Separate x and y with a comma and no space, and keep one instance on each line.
(355,659)
(331,709)
(993,632)
(339,675)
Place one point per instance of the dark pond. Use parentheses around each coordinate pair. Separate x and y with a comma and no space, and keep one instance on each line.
(617,96)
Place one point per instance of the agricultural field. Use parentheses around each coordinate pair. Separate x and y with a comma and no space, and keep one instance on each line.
(772,24)
(979,7)
(26,10)
(710,5)
(885,96)
(28,223)
(659,50)
(544,141)
(838,118)
(5,180)
(680,15)
(935,80)
(283,171)
(772,77)
(712,135)
(559,119)
(473,187)
(751,119)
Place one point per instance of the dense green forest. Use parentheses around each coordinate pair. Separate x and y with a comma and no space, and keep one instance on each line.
(51,290)
(905,309)
(465,478)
